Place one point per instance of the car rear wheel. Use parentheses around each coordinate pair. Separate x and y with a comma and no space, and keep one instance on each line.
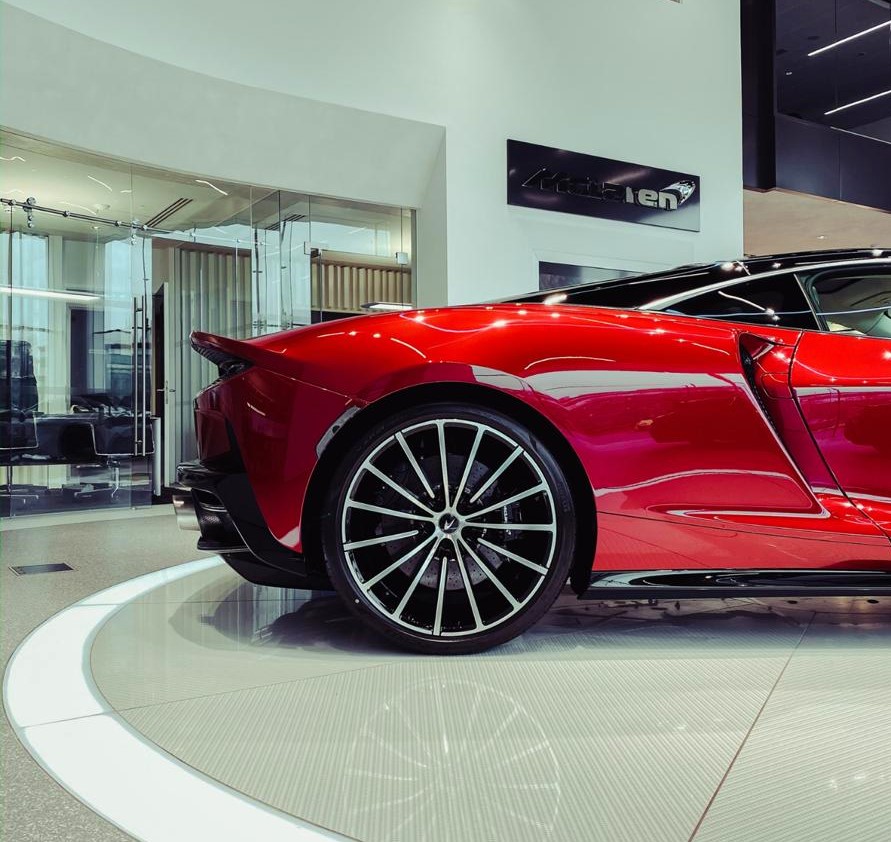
(449,529)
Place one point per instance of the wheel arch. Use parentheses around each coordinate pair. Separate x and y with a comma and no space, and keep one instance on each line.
(485,396)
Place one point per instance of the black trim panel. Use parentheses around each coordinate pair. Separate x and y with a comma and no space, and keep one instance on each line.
(247,566)
(738,584)
(232,525)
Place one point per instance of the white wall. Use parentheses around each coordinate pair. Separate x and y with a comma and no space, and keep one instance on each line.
(352,98)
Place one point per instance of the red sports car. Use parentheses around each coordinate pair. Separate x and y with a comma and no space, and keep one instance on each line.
(448,470)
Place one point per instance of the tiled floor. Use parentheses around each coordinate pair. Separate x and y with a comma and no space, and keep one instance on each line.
(710,721)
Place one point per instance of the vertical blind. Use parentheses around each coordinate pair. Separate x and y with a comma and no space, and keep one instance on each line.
(212,293)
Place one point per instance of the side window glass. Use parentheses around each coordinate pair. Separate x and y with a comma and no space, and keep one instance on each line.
(853,301)
(777,301)
(633,293)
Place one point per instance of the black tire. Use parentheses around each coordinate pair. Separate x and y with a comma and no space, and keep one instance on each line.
(415,566)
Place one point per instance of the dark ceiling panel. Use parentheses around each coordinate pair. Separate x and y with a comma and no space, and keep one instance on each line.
(809,86)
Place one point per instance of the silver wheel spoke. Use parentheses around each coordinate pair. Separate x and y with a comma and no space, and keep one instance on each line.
(530,527)
(414,463)
(474,608)
(396,564)
(440,596)
(514,557)
(414,584)
(399,489)
(521,496)
(383,539)
(504,466)
(490,575)
(367,507)
(440,432)
(422,569)
(467,467)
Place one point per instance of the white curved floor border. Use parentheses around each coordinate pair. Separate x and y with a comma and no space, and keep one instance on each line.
(63,720)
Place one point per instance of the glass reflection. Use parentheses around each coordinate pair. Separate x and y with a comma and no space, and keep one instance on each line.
(104,278)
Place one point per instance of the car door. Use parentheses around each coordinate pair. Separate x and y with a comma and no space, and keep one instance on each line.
(842,382)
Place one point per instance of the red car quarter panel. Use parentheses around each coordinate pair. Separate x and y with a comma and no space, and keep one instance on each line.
(843,384)
(277,422)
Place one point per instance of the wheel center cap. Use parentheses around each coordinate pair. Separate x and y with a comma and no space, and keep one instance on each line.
(449,524)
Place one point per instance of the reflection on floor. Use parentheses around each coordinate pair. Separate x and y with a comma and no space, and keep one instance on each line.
(721,720)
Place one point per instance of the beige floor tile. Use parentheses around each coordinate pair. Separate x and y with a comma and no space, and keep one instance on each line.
(817,766)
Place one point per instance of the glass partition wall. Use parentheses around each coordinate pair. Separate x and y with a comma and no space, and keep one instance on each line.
(106,268)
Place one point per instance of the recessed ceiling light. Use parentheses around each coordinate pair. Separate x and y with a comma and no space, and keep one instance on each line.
(788,72)
(821,236)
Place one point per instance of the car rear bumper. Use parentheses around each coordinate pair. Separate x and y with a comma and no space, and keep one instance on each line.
(222,506)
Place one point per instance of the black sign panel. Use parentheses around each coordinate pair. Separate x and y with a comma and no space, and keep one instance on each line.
(554,179)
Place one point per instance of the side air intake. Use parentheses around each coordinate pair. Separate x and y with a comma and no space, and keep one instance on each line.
(767,367)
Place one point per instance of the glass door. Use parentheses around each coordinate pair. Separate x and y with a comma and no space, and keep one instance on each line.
(74,365)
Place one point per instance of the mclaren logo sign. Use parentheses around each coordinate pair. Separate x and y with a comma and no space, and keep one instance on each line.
(553,179)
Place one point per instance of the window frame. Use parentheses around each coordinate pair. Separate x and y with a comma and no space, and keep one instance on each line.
(750,279)
(816,273)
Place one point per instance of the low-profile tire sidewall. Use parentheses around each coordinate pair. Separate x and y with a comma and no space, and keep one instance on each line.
(337,561)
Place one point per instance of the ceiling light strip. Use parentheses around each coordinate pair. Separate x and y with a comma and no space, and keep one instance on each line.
(853,37)
(211,186)
(7,289)
(857,102)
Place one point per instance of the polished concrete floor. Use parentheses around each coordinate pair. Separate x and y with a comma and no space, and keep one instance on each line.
(723,721)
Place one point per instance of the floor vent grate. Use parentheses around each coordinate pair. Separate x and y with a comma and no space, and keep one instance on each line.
(27,569)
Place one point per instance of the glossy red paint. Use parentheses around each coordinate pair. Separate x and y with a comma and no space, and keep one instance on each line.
(694,459)
(277,422)
(843,384)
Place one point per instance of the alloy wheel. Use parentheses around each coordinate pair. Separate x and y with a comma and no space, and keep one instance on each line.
(449,527)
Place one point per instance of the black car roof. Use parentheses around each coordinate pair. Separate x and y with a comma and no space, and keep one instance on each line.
(705,273)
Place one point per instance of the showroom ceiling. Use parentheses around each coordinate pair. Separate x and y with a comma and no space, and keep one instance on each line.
(810,85)
(94,186)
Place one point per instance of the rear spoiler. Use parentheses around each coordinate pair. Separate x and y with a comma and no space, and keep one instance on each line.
(235,355)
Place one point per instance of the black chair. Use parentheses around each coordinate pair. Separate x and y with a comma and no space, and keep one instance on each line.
(110,421)
(18,416)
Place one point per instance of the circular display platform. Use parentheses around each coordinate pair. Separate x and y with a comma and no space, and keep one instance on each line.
(189,704)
